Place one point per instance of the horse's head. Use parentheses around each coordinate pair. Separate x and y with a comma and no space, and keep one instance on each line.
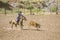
(23,18)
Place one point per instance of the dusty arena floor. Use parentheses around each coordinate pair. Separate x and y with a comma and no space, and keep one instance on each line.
(49,28)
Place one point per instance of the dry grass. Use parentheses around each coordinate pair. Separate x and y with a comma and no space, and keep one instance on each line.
(49,30)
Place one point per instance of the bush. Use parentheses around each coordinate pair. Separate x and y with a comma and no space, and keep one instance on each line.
(53,9)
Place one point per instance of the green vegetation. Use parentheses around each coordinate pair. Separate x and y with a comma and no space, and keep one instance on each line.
(28,7)
(53,9)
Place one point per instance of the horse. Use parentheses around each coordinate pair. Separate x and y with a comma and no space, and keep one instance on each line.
(13,22)
(34,24)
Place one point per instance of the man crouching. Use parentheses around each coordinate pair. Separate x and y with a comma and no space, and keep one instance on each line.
(34,24)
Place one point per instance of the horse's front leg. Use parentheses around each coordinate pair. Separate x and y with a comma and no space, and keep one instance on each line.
(16,25)
(12,26)
(21,24)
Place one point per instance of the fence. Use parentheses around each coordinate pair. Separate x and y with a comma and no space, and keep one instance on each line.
(37,7)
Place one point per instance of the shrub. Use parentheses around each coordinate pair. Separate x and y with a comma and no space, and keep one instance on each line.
(53,9)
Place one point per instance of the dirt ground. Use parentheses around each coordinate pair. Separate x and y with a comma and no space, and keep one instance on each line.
(49,28)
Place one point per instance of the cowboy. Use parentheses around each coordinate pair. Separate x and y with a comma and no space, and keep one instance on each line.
(18,17)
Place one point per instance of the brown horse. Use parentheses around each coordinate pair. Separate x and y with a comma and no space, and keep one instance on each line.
(13,22)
